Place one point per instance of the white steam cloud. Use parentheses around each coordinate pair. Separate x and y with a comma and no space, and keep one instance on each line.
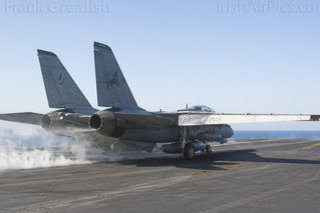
(26,148)
(27,159)
(31,147)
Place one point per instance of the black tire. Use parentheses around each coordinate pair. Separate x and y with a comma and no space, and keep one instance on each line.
(208,149)
(189,152)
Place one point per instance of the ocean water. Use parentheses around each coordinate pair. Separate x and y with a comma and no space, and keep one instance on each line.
(275,134)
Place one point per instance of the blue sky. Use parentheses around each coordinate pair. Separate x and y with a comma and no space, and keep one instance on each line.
(236,56)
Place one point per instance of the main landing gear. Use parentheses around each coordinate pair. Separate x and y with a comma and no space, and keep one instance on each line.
(193,149)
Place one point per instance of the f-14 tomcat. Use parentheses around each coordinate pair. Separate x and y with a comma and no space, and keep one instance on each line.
(123,123)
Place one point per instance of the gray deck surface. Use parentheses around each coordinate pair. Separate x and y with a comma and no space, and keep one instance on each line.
(279,175)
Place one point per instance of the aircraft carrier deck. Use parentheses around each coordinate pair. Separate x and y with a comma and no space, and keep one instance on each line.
(279,175)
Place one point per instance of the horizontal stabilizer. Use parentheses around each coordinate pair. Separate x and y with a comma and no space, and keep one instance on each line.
(24,117)
(146,120)
(214,119)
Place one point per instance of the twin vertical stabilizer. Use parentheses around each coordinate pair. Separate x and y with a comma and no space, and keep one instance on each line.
(112,88)
(62,92)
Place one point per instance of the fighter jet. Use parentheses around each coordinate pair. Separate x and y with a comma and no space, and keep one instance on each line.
(123,123)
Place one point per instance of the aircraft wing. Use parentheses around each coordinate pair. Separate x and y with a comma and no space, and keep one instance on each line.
(23,117)
(225,118)
(147,120)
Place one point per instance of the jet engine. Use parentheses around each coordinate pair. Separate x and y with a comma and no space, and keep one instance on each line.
(60,120)
(107,124)
(51,120)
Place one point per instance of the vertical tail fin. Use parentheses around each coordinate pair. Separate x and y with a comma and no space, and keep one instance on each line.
(62,91)
(112,88)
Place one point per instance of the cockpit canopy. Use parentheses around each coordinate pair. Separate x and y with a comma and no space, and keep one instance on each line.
(198,108)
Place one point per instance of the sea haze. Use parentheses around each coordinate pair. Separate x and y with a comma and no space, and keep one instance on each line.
(246,134)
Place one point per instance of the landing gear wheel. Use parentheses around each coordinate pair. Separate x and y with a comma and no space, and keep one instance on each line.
(208,149)
(189,152)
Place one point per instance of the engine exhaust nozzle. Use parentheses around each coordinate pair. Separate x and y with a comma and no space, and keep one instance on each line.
(106,123)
